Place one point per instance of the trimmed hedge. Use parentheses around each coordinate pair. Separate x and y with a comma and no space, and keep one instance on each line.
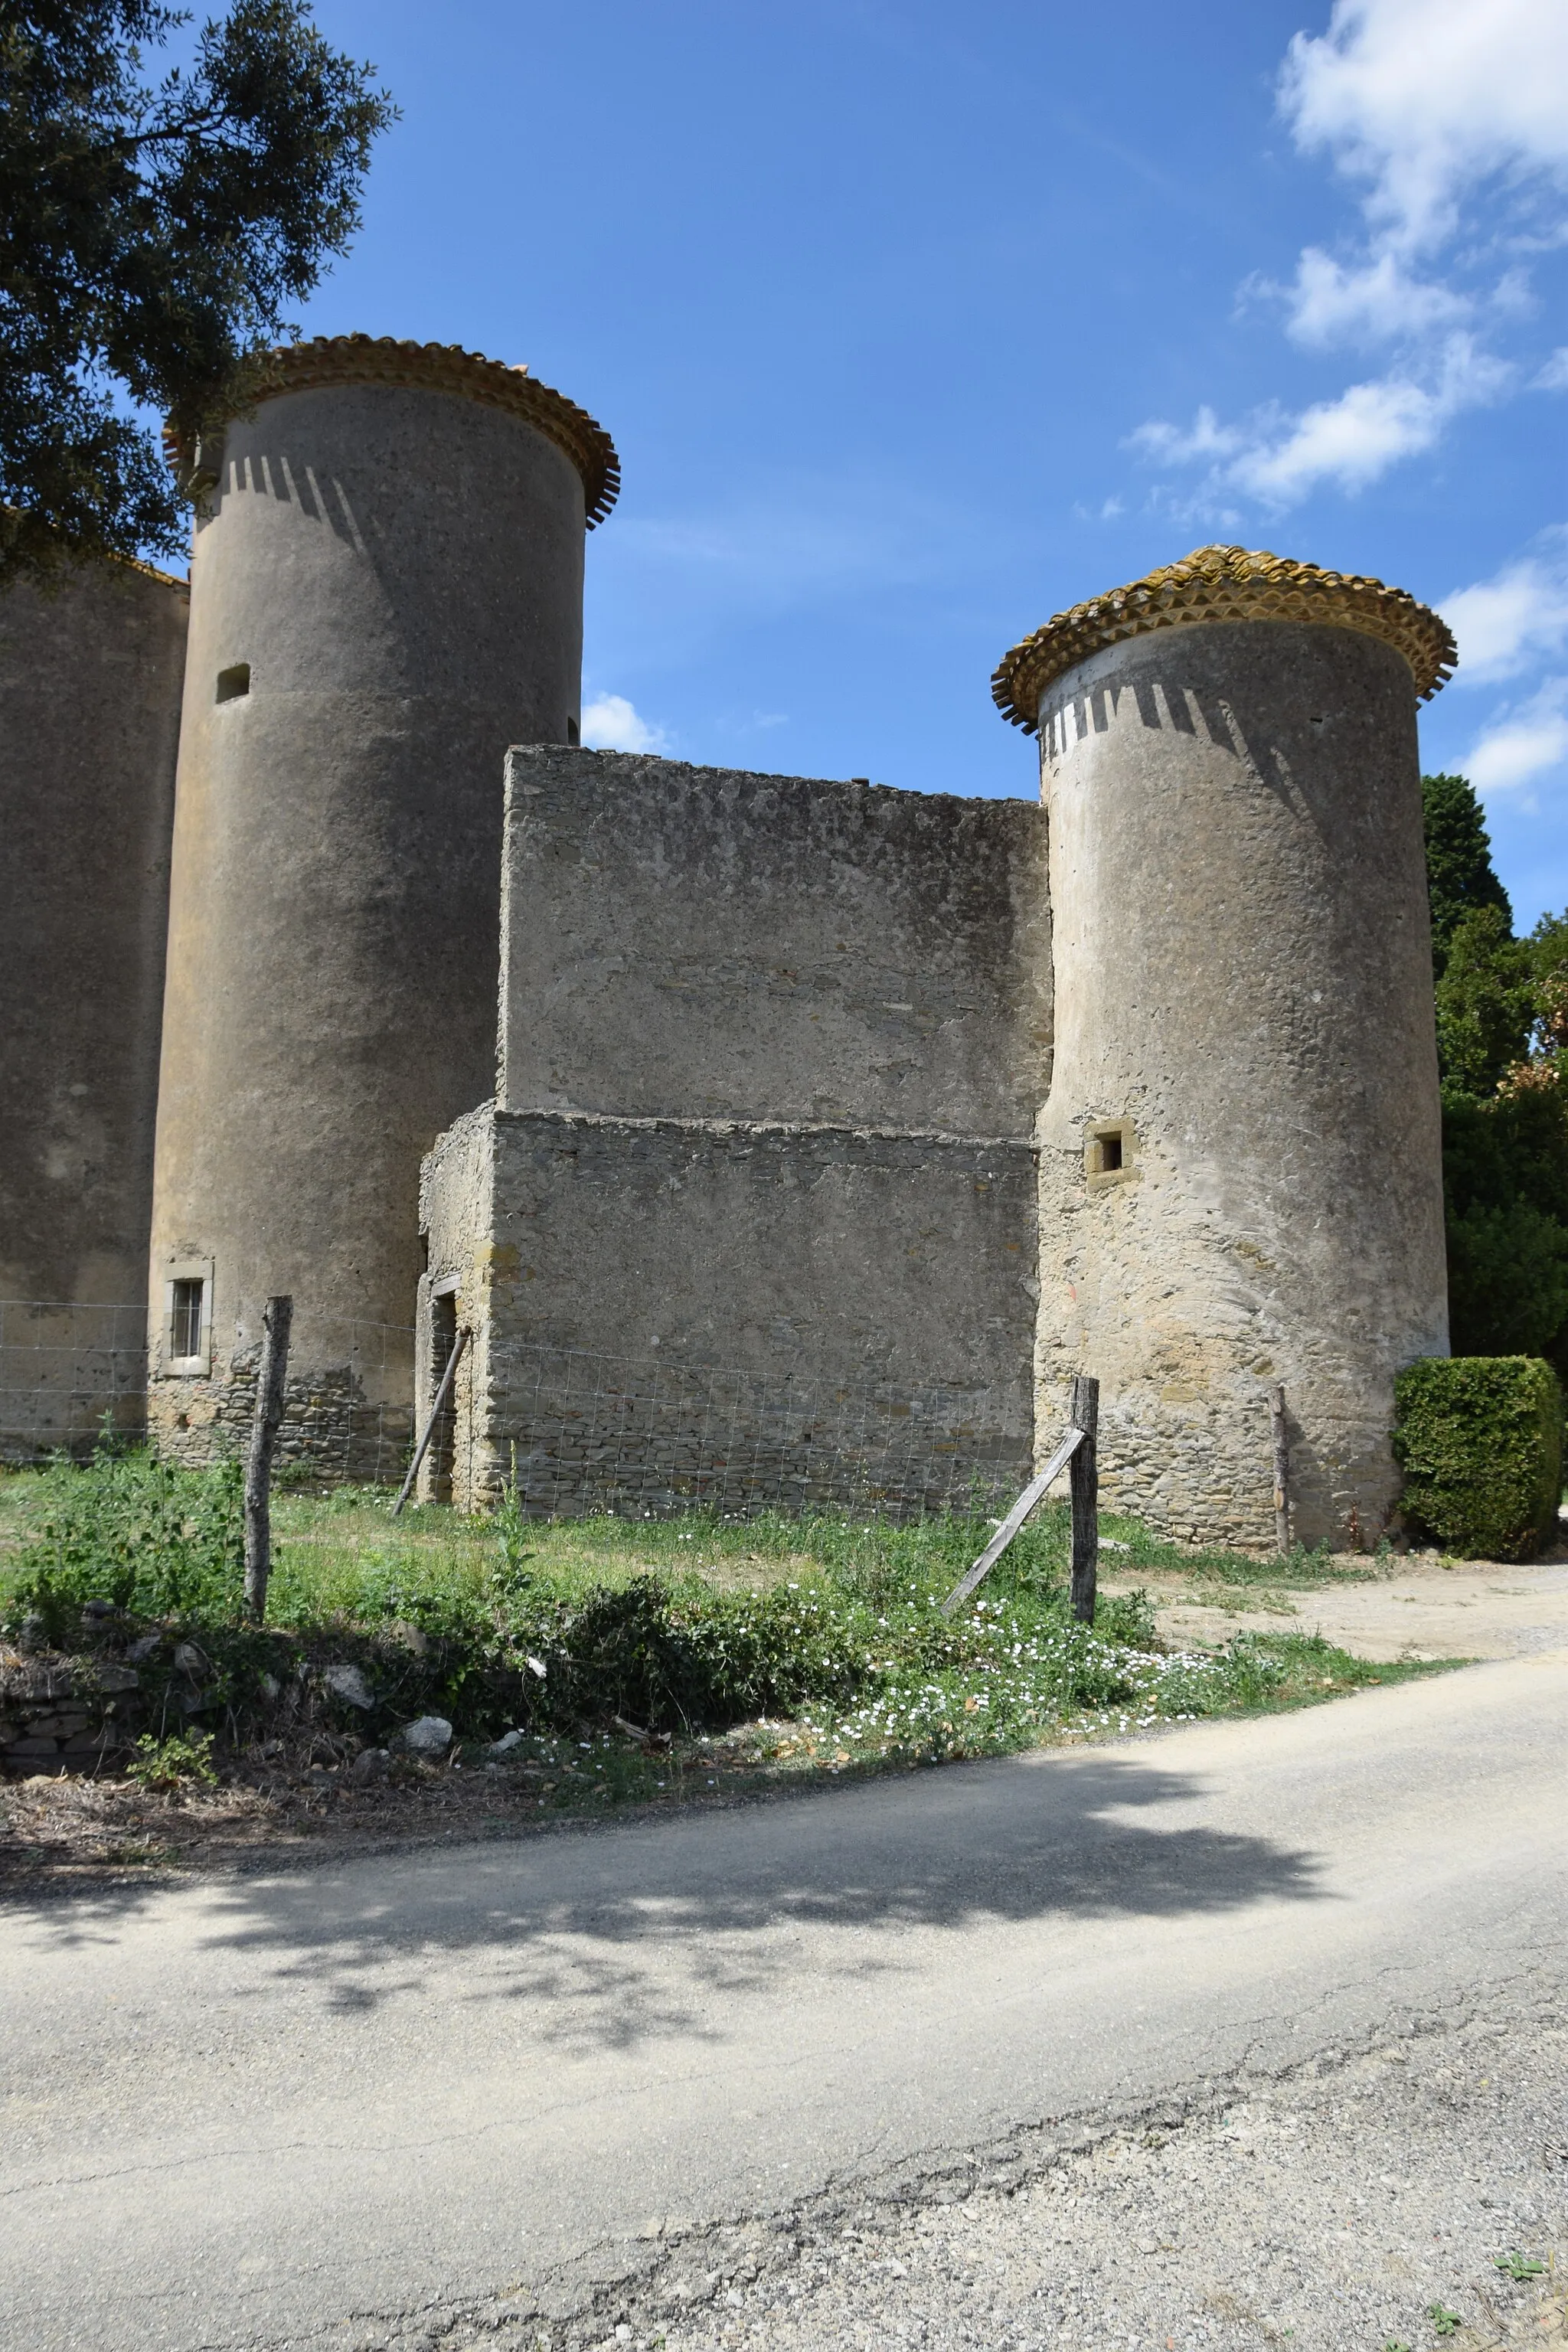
(1480,1441)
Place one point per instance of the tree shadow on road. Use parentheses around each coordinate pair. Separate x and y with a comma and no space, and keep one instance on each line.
(616,1937)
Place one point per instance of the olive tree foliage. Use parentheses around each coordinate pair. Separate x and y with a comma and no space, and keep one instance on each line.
(152,232)
(1502,1046)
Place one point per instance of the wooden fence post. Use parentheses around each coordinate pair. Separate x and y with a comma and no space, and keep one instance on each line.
(1281,1471)
(271,1374)
(1085,1415)
(453,1361)
(1008,1527)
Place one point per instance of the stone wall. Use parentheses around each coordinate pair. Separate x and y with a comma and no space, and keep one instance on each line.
(348,1414)
(60,1714)
(669,1311)
(753,1220)
(90,707)
(686,942)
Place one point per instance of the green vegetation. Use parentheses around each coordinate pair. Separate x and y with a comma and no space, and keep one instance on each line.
(812,1642)
(1480,1440)
(151,235)
(154,1541)
(183,1760)
(1459,876)
(1502,1025)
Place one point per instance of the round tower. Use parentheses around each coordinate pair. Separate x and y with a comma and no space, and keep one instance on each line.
(89,716)
(1241,1155)
(386,590)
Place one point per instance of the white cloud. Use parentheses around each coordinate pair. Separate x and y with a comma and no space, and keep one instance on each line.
(1374,301)
(1350,441)
(1523,743)
(1520,612)
(610,723)
(1553,376)
(1168,444)
(1424,99)
(1432,105)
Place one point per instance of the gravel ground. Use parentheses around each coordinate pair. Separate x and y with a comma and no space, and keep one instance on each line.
(1371,2199)
(1420,1606)
(1361,2201)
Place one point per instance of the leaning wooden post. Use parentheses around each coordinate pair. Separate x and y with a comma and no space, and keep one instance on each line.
(271,1375)
(453,1361)
(1281,1471)
(1085,1415)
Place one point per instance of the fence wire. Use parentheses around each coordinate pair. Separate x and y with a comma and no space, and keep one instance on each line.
(71,1374)
(572,1430)
(68,1372)
(583,1432)
(348,1405)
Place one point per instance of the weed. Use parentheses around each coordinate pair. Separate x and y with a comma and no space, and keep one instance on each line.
(1444,2321)
(126,1528)
(1518,2265)
(171,1765)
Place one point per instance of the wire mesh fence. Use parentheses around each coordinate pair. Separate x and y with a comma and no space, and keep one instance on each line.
(348,1404)
(68,1372)
(72,1374)
(574,1431)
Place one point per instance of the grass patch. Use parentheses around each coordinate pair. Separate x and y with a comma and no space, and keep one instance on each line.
(776,1646)
(1128,1548)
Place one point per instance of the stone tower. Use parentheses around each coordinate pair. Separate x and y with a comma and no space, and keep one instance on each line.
(386,592)
(89,715)
(1241,1178)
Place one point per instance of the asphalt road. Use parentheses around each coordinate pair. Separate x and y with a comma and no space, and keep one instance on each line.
(340,2105)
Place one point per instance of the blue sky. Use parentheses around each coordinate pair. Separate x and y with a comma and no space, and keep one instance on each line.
(914,323)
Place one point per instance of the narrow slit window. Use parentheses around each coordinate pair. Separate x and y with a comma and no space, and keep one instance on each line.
(233,682)
(573,732)
(186,1322)
(1110,1154)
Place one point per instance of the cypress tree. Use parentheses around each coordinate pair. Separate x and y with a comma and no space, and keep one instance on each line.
(1460,879)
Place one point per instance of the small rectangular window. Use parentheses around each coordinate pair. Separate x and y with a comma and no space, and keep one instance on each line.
(185,1320)
(572,732)
(1110,1154)
(233,682)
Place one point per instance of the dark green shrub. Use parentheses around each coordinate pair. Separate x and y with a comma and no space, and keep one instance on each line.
(1508,1281)
(674,1659)
(1480,1441)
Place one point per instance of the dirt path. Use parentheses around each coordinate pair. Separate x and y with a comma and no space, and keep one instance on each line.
(1424,1610)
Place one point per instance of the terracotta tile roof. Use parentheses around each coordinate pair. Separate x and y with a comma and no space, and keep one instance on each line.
(433,367)
(1224,583)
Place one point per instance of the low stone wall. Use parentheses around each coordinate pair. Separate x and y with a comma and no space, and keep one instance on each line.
(67,1714)
(669,1312)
